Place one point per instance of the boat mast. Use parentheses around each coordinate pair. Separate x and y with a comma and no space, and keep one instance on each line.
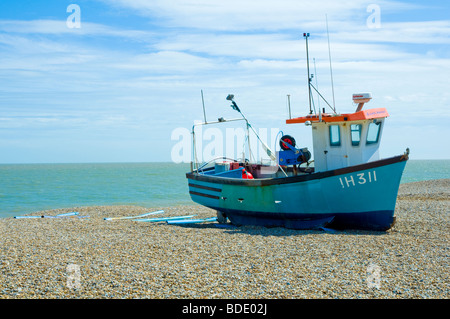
(306,36)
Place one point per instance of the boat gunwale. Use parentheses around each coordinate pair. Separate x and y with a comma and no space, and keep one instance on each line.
(298,178)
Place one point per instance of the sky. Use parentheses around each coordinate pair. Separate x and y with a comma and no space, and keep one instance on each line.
(117,80)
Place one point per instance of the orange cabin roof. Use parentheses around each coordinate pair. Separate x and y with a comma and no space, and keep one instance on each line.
(357,116)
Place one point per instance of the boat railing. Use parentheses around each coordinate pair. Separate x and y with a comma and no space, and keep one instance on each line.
(194,161)
(201,167)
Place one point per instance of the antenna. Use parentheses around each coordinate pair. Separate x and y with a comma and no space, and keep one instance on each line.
(331,70)
(318,100)
(317,85)
(306,36)
(203,102)
(310,76)
(289,105)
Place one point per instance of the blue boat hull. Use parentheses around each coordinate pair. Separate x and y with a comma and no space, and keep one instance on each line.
(360,197)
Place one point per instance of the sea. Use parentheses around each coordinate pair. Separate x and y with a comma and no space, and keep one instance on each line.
(28,188)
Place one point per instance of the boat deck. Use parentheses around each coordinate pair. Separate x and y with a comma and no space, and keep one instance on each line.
(257,171)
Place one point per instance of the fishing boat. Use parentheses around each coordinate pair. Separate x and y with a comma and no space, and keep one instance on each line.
(348,186)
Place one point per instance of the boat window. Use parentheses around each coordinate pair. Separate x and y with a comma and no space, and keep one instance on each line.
(373,133)
(335,136)
(355,134)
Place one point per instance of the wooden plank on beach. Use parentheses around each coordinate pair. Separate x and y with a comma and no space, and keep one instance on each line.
(192,221)
(138,216)
(163,219)
(67,214)
(47,216)
(18,217)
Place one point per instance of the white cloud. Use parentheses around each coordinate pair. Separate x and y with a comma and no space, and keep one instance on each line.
(59,27)
(420,32)
(235,15)
(234,45)
(278,46)
(167,62)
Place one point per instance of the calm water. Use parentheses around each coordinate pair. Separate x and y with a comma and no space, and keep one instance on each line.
(33,187)
(27,188)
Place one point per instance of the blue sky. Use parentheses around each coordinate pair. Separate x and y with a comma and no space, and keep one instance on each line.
(114,89)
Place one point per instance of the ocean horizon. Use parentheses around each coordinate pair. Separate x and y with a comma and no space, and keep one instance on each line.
(28,188)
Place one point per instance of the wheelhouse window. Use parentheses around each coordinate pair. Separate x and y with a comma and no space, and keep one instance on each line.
(373,132)
(355,134)
(335,135)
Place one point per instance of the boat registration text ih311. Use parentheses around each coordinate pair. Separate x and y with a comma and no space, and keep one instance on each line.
(342,183)
(360,180)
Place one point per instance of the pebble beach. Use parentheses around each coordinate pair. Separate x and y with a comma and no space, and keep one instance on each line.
(94,258)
